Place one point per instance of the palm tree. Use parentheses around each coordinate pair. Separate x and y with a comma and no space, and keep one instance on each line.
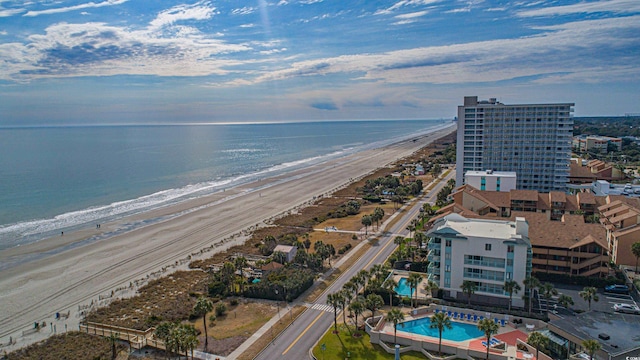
(344,302)
(379,214)
(399,240)
(363,277)
(511,286)
(390,285)
(366,221)
(592,346)
(469,287)
(488,327)
(440,321)
(357,308)
(431,286)
(635,250)
(548,291)
(589,294)
(413,281)
(530,283)
(538,341)
(240,263)
(334,300)
(395,316)
(373,302)
(565,300)
(163,332)
(201,308)
(227,273)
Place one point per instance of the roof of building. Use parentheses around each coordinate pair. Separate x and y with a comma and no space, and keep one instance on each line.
(271,266)
(577,171)
(526,195)
(284,248)
(557,196)
(627,230)
(622,329)
(483,228)
(565,233)
(586,198)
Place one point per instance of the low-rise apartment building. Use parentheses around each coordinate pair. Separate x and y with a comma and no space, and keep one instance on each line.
(596,142)
(562,242)
(621,219)
(487,252)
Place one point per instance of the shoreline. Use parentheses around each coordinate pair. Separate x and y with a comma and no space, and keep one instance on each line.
(72,279)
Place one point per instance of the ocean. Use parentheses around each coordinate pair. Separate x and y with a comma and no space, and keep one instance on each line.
(64,178)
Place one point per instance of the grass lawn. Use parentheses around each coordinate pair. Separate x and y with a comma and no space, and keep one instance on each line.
(338,346)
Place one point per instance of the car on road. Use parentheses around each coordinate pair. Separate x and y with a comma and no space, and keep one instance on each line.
(617,289)
(626,308)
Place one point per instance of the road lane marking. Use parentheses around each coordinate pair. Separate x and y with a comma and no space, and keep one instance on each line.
(302,333)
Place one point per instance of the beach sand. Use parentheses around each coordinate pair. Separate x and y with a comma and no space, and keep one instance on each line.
(96,273)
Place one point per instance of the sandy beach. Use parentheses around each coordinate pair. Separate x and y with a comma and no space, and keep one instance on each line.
(95,273)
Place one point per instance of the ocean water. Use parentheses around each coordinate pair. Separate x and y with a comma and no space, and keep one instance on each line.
(55,179)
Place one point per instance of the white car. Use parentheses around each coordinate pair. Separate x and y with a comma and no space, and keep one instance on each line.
(626,308)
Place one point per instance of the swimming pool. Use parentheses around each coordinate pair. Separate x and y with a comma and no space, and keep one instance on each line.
(403,288)
(459,331)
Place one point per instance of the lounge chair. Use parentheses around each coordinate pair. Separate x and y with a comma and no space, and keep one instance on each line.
(495,320)
(469,317)
(503,322)
(480,318)
(449,313)
(495,341)
(485,344)
(475,317)
(437,311)
(455,314)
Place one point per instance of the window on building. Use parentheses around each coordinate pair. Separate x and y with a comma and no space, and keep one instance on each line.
(448,243)
(487,247)
(510,248)
(447,268)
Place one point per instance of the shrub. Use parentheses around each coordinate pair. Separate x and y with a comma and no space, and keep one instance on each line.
(221,308)
(233,302)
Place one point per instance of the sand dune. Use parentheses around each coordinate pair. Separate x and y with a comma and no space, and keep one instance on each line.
(73,279)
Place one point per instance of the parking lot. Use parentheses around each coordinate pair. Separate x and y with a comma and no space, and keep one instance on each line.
(605,303)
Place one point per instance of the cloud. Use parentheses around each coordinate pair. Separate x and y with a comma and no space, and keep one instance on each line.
(75,7)
(324,105)
(404,3)
(309,2)
(10,12)
(247,26)
(581,48)
(614,6)
(244,11)
(3,32)
(198,11)
(98,49)
(411,15)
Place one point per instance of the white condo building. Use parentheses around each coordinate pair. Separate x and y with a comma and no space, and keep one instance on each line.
(532,140)
(487,252)
(490,180)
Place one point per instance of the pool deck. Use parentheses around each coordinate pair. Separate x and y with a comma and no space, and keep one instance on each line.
(421,293)
(506,334)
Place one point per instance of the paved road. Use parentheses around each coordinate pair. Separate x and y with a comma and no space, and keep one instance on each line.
(295,342)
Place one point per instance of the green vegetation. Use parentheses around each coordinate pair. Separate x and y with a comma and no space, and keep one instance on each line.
(344,346)
(614,127)
(71,345)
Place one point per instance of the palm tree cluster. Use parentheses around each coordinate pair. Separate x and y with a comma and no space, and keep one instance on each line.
(178,338)
(375,217)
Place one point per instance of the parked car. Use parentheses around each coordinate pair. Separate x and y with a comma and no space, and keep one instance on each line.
(627,308)
(617,289)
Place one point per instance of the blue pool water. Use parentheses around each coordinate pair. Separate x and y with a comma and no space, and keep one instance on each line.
(403,288)
(459,331)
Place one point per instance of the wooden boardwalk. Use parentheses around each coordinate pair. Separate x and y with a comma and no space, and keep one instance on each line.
(137,338)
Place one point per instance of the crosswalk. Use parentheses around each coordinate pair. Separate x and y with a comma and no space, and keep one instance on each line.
(321,307)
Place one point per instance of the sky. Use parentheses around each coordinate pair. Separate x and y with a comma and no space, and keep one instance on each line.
(135,61)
